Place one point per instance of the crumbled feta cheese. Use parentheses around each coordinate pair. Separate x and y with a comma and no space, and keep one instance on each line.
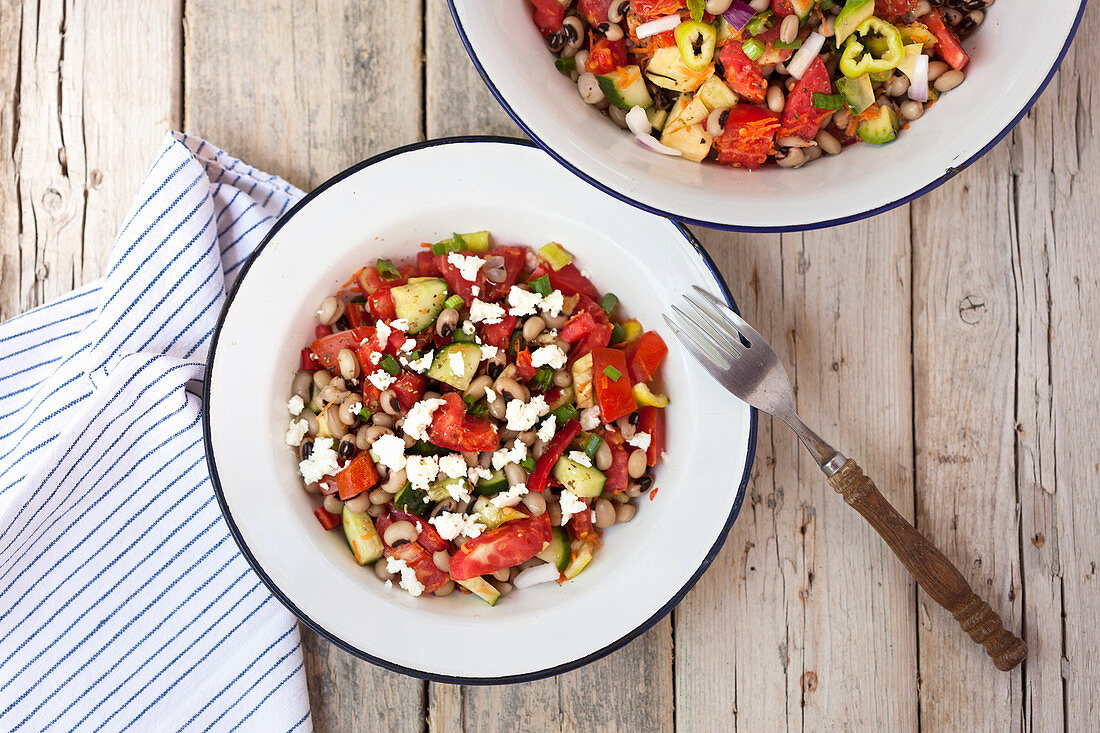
(454,465)
(375,357)
(488,352)
(469,329)
(475,291)
(523,415)
(523,302)
(401,324)
(490,395)
(570,505)
(511,497)
(390,450)
(458,491)
(547,429)
(551,356)
(451,525)
(355,407)
(296,431)
(421,471)
(420,417)
(590,418)
(478,473)
(382,380)
(467,265)
(586,273)
(457,364)
(641,440)
(553,303)
(488,313)
(382,331)
(422,364)
(579,457)
(295,404)
(409,580)
(503,457)
(321,462)
(409,345)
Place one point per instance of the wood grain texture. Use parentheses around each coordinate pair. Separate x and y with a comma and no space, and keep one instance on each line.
(304,90)
(805,621)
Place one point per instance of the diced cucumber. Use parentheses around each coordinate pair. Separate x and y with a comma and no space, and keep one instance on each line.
(363,538)
(494,516)
(314,402)
(625,88)
(481,588)
(582,381)
(322,427)
(439,490)
(881,129)
(419,301)
(853,14)
(555,255)
(656,118)
(802,8)
(476,241)
(581,552)
(557,553)
(691,140)
(858,93)
(715,94)
(667,70)
(493,485)
(578,479)
(442,370)
(411,500)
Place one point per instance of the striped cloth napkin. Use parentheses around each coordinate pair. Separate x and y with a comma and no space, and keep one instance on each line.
(124,603)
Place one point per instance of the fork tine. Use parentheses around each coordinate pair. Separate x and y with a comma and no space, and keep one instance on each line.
(702,335)
(718,329)
(707,359)
(750,334)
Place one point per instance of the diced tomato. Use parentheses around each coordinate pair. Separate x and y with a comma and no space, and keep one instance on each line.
(504,547)
(380,305)
(459,285)
(358,476)
(742,74)
(580,526)
(782,8)
(586,333)
(748,137)
(570,281)
(653,9)
(308,361)
(524,369)
(613,393)
(618,474)
(800,117)
(891,10)
(453,429)
(645,355)
(773,55)
(498,334)
(428,538)
(369,279)
(605,56)
(651,420)
(382,522)
(321,330)
(357,315)
(327,519)
(554,449)
(948,47)
(410,388)
(425,264)
(548,15)
(600,336)
(421,562)
(594,11)
(577,327)
(514,260)
(326,348)
(371,396)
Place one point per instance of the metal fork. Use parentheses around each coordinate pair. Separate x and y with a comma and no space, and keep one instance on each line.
(745,364)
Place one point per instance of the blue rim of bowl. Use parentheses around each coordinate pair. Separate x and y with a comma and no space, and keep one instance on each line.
(936,183)
(316,626)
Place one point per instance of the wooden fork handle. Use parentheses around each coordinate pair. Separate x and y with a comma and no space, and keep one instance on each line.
(935,573)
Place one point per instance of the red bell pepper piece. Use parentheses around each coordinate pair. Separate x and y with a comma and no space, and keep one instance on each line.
(748,136)
(358,476)
(652,420)
(525,370)
(308,361)
(611,379)
(645,355)
(800,117)
(357,315)
(577,327)
(327,519)
(554,449)
(618,474)
(948,47)
(580,526)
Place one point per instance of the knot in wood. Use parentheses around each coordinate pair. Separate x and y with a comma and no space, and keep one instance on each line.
(972,309)
(96,178)
(52,201)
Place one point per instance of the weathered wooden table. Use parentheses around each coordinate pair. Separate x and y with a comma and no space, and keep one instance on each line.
(949,345)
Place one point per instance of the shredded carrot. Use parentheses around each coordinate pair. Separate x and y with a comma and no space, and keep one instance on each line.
(353,281)
(653,494)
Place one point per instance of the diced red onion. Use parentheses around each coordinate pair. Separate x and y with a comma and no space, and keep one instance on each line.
(654,27)
(637,121)
(738,15)
(538,574)
(656,146)
(807,52)
(918,88)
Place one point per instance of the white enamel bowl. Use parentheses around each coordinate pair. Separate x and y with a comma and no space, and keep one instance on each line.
(1014,54)
(385,207)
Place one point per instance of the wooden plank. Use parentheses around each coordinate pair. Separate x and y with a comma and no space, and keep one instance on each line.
(305,91)
(89,92)
(806,619)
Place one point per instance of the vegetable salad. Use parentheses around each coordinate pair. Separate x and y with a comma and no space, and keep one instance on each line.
(743,83)
(474,418)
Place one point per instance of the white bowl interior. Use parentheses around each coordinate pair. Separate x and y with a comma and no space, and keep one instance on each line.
(1011,55)
(386,209)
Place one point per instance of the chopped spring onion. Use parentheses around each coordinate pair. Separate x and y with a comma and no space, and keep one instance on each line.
(656,146)
(618,333)
(565,413)
(364,414)
(653,27)
(454,301)
(358,299)
(828,101)
(612,373)
(566,64)
(592,446)
(918,89)
(542,379)
(782,45)
(544,573)
(454,244)
(738,15)
(528,464)
(608,303)
(386,270)
(804,56)
(760,23)
(474,407)
(542,285)
(390,366)
(637,121)
(753,48)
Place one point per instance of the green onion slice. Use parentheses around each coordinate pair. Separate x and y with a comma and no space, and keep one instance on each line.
(386,270)
(390,365)
(542,286)
(612,373)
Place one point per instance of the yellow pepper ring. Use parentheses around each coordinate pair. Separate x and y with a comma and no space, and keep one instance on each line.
(696,41)
(858,59)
